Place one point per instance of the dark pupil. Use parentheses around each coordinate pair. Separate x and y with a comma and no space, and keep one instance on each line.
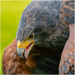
(30,36)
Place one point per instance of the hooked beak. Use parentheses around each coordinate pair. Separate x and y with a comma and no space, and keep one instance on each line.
(24,47)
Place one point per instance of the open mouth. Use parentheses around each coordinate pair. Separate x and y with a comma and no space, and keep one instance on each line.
(23,48)
(27,50)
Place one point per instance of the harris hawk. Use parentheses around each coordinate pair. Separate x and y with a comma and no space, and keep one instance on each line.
(42,33)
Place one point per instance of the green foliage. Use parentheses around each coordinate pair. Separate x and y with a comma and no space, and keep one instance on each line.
(10,16)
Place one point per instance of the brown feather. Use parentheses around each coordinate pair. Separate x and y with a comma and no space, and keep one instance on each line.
(12,63)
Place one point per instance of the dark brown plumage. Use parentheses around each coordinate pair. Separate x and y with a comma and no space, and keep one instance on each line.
(67,58)
(13,64)
(67,64)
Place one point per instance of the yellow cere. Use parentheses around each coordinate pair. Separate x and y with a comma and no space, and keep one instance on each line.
(25,43)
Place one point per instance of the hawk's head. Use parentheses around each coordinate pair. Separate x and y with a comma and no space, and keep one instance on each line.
(38,21)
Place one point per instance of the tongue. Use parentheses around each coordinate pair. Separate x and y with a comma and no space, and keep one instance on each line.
(27,50)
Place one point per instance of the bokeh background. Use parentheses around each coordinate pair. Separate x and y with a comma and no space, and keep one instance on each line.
(11,12)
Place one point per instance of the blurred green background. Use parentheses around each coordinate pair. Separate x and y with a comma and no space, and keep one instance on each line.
(10,16)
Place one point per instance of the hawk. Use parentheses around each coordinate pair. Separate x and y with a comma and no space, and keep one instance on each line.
(42,33)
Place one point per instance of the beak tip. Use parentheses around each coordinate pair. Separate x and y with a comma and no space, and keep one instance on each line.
(19,52)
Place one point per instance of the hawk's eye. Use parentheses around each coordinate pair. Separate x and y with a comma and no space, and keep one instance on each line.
(31,36)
